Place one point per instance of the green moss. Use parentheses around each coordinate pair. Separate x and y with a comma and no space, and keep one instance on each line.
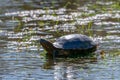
(87,15)
(43,53)
(116,6)
(19,27)
(41,23)
(114,53)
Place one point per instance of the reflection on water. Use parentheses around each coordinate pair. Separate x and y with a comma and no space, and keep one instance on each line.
(23,23)
(88,69)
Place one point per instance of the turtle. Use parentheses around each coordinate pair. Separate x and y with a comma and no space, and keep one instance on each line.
(71,45)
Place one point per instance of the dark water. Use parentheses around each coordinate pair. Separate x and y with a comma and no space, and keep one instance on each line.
(24,22)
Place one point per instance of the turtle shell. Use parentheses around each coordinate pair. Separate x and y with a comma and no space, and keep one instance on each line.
(74,41)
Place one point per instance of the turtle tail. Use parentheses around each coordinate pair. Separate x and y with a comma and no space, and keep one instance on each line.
(48,46)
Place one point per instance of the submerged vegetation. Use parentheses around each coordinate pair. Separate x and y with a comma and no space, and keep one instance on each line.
(24,22)
(52,22)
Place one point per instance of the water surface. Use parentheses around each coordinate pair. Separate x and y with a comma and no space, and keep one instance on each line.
(23,23)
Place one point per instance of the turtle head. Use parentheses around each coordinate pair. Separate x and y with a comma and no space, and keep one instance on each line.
(48,46)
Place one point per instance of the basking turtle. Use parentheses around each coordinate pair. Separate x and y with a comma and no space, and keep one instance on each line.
(70,46)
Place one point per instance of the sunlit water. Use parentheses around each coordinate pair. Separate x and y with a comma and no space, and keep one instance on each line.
(24,22)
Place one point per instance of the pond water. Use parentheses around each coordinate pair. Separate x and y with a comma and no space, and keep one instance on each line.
(24,22)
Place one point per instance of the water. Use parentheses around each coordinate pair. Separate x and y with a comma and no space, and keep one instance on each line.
(23,23)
